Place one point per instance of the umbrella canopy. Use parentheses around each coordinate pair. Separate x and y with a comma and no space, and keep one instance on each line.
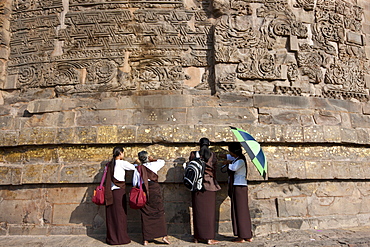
(253,149)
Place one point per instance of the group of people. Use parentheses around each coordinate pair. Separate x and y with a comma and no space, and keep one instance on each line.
(203,201)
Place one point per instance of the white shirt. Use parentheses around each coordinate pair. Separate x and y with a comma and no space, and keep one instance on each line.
(119,171)
(238,166)
(154,166)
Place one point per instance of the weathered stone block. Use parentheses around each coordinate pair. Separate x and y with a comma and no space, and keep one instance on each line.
(293,133)
(158,116)
(363,135)
(28,230)
(296,170)
(126,134)
(107,104)
(164,101)
(61,194)
(107,134)
(293,43)
(70,174)
(341,170)
(360,121)
(88,172)
(6,122)
(319,170)
(9,138)
(65,135)
(16,211)
(313,134)
(355,38)
(338,189)
(332,133)
(50,173)
(348,135)
(327,118)
(32,173)
(292,207)
(5,175)
(48,105)
(85,135)
(281,102)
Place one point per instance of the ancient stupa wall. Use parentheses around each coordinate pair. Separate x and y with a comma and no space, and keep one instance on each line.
(78,77)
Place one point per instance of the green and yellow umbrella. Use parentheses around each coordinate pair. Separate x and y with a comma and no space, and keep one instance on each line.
(253,148)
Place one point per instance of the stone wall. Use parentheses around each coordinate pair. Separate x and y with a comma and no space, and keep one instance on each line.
(80,77)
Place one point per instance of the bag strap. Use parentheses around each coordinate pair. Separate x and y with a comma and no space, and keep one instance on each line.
(104,175)
(140,181)
(197,155)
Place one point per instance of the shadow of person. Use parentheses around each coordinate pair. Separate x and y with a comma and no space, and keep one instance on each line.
(177,199)
(88,214)
(222,200)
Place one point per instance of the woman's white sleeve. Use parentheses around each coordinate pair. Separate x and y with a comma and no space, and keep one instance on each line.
(155,166)
(236,165)
(128,166)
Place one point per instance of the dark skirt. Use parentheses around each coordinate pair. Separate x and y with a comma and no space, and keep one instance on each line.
(116,219)
(204,214)
(153,220)
(240,216)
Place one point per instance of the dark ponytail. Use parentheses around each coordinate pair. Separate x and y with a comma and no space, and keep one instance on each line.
(236,148)
(204,151)
(116,152)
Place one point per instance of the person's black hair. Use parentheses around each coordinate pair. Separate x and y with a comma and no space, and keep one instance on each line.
(116,152)
(204,151)
(143,156)
(236,148)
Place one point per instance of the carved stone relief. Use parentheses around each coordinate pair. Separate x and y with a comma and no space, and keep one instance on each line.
(82,46)
(92,46)
(266,43)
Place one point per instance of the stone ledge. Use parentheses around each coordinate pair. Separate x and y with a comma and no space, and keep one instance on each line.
(81,164)
(130,134)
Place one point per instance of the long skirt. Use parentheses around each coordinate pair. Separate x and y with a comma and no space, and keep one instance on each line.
(153,220)
(116,219)
(204,214)
(240,216)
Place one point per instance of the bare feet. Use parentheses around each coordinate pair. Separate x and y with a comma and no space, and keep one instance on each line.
(145,242)
(212,242)
(238,240)
(165,239)
(249,239)
(196,240)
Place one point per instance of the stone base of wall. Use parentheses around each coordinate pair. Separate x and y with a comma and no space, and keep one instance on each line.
(275,206)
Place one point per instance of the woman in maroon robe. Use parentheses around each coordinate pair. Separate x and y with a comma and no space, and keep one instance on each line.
(238,193)
(204,202)
(153,221)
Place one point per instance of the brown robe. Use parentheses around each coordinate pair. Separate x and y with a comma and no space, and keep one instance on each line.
(116,210)
(153,220)
(240,215)
(204,202)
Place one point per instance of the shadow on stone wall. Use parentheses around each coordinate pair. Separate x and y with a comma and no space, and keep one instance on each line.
(177,201)
(87,213)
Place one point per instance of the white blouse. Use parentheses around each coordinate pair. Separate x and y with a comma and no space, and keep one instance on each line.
(154,166)
(119,171)
(239,167)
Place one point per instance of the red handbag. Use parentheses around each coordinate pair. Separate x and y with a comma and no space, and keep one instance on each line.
(137,195)
(98,198)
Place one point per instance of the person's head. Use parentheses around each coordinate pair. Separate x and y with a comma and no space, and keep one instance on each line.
(204,151)
(204,142)
(235,149)
(118,153)
(143,157)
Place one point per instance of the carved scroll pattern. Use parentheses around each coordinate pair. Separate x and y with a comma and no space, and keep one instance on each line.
(82,47)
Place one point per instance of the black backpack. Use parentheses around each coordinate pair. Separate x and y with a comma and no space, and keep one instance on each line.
(194,172)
